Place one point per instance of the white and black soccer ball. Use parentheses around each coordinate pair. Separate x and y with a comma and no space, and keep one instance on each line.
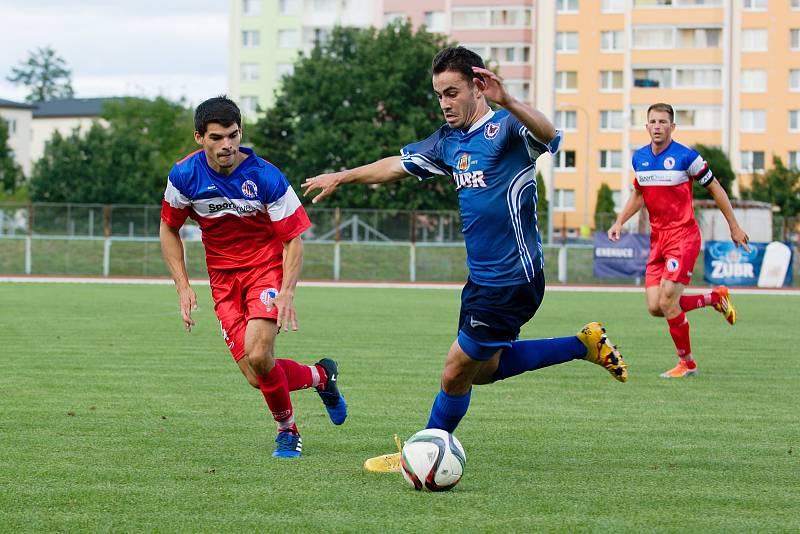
(432,459)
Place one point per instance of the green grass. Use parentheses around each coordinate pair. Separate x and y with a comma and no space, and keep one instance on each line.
(114,419)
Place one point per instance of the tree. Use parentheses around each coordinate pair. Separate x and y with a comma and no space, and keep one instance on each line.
(359,97)
(603,208)
(10,171)
(45,74)
(720,165)
(542,206)
(125,162)
(779,186)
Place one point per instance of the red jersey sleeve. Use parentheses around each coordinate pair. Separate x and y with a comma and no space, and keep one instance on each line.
(175,206)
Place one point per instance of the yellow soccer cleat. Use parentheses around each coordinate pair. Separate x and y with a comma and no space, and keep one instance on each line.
(386,463)
(601,351)
(679,371)
(725,305)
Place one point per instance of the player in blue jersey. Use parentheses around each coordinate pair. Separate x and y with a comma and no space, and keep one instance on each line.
(490,156)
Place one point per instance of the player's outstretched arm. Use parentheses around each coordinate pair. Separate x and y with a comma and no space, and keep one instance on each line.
(379,172)
(292,262)
(533,119)
(738,235)
(172,250)
(634,204)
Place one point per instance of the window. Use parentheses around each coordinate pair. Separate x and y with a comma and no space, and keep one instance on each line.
(794,120)
(754,81)
(653,37)
(752,161)
(251,39)
(473,18)
(434,20)
(511,17)
(250,72)
(794,39)
(754,40)
(251,7)
(698,78)
(11,125)
(610,80)
(795,4)
(287,38)
(564,160)
(652,78)
(564,200)
(651,3)
(566,41)
(610,160)
(616,196)
(612,41)
(288,7)
(794,79)
(611,120)
(249,104)
(519,89)
(567,6)
(393,16)
(566,80)
(754,5)
(699,37)
(699,118)
(566,120)
(753,120)
(285,69)
(510,54)
(794,160)
(325,5)
(614,6)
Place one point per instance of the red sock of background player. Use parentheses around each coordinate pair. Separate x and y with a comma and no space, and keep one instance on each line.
(301,376)
(692,302)
(679,330)
(275,389)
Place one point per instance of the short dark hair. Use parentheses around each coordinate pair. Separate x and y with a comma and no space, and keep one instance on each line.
(220,109)
(458,59)
(661,106)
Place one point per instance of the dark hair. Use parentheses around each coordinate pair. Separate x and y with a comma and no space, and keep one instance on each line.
(662,107)
(458,59)
(220,109)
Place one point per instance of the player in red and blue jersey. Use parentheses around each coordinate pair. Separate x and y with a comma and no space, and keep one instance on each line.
(665,171)
(491,158)
(251,221)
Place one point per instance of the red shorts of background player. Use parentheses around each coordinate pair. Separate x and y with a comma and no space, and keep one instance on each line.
(240,295)
(673,253)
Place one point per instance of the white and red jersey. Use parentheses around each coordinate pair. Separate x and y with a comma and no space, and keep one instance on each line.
(244,217)
(665,181)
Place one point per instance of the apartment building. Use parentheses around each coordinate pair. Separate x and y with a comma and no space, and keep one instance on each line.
(731,69)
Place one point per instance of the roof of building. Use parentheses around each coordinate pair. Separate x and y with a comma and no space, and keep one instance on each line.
(71,107)
(11,104)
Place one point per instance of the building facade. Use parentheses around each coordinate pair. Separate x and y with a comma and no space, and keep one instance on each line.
(730,68)
(18,117)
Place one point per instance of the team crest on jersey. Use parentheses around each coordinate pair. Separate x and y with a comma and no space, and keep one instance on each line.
(669,162)
(463,162)
(491,130)
(268,296)
(672,265)
(249,189)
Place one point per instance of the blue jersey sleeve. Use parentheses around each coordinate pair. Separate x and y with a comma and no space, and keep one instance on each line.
(424,158)
(535,147)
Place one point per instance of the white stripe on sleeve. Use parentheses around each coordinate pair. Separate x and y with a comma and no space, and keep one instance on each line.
(175,198)
(284,206)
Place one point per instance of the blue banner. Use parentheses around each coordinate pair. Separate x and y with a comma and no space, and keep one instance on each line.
(726,264)
(626,258)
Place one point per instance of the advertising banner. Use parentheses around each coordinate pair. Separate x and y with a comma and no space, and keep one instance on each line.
(731,266)
(626,258)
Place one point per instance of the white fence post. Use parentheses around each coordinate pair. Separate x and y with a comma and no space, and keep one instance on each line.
(337,261)
(562,264)
(412,262)
(28,254)
(106,255)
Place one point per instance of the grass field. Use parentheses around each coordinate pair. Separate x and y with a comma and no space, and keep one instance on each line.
(114,419)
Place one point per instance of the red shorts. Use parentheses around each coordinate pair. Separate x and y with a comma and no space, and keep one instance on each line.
(673,253)
(240,295)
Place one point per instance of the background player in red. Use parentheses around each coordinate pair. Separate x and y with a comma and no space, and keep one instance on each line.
(665,170)
(251,222)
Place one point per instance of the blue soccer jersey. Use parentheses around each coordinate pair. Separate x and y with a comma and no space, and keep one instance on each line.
(493,166)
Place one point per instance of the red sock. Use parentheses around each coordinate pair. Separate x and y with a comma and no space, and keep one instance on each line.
(679,330)
(301,376)
(692,302)
(275,389)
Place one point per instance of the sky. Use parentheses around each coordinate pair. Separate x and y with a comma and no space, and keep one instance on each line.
(170,48)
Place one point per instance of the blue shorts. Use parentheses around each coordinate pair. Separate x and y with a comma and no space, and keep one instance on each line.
(491,316)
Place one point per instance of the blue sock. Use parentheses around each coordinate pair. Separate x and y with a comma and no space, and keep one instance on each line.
(537,353)
(448,410)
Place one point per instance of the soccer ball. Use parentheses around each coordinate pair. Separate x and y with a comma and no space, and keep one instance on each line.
(432,459)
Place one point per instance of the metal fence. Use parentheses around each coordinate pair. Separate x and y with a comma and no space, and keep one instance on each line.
(121,240)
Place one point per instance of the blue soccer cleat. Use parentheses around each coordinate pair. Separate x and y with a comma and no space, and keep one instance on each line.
(290,445)
(331,396)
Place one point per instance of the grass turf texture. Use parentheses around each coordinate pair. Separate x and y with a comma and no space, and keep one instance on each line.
(114,419)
